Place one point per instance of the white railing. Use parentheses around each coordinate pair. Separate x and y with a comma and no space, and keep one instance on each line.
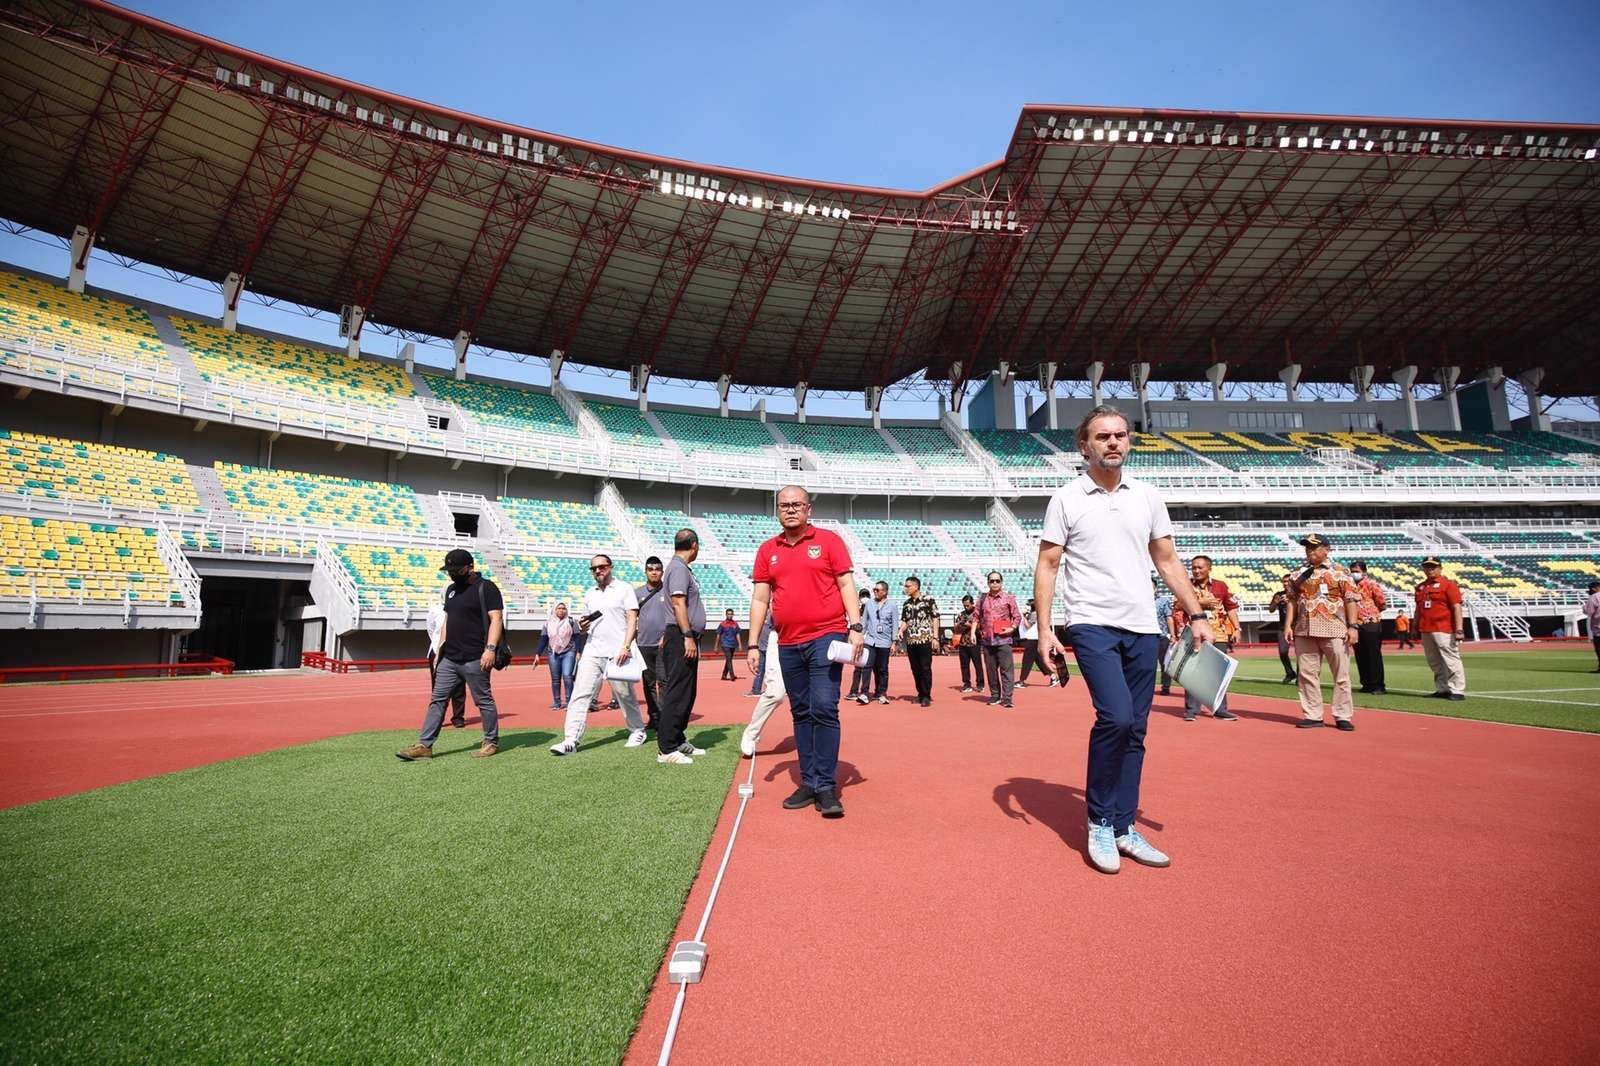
(334,590)
(489,525)
(171,553)
(616,508)
(1499,614)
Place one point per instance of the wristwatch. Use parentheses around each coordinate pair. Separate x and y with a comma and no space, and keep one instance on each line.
(1202,615)
(857,627)
(491,647)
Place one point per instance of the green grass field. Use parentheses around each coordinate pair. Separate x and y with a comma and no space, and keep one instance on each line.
(328,903)
(1535,686)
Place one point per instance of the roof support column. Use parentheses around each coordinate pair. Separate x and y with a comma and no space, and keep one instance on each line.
(1139,377)
(1094,374)
(639,378)
(1217,374)
(1447,376)
(1290,376)
(232,288)
(1361,378)
(78,264)
(356,317)
(1530,380)
(409,355)
(1047,384)
(724,386)
(874,397)
(1406,378)
(557,359)
(800,391)
(460,343)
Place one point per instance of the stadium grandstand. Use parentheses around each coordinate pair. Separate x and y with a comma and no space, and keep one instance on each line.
(1379,289)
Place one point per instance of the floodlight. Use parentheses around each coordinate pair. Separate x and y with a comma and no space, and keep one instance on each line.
(755,201)
(1335,144)
(788,205)
(1077,134)
(1099,135)
(847,214)
(1589,154)
(666,186)
(1283,142)
(1114,135)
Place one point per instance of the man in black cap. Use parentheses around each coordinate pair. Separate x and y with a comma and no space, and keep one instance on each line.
(474,623)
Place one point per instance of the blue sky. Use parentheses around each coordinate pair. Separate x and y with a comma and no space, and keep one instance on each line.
(897,94)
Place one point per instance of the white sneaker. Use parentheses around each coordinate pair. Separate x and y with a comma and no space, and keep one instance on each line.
(636,738)
(1103,848)
(747,745)
(689,749)
(1141,850)
(883,700)
(566,747)
(676,758)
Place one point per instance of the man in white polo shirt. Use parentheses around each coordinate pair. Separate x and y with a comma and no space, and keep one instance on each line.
(610,618)
(1103,531)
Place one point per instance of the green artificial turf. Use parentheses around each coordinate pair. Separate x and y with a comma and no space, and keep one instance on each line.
(1533,686)
(329,903)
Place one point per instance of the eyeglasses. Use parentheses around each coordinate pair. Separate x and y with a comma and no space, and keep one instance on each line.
(792,506)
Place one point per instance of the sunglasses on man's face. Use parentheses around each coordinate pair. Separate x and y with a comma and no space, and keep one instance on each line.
(597,569)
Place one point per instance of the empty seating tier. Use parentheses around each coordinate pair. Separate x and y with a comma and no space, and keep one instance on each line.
(740,436)
(550,522)
(890,537)
(929,445)
(1554,443)
(549,578)
(1571,572)
(1472,575)
(1012,447)
(47,316)
(387,576)
(1243,451)
(842,441)
(977,539)
(539,413)
(65,560)
(626,425)
(275,364)
(1530,539)
(660,526)
(59,469)
(318,499)
(740,533)
(1207,541)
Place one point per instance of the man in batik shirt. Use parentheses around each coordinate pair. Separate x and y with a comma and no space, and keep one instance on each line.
(919,629)
(1323,601)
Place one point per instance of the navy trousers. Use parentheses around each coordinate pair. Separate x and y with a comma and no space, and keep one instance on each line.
(1120,669)
(813,684)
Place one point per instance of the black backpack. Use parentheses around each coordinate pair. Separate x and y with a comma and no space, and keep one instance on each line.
(502,651)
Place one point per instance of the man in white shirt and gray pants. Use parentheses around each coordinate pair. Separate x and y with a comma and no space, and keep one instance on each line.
(1104,530)
(610,618)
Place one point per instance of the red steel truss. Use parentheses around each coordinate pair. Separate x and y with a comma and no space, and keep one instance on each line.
(1179,238)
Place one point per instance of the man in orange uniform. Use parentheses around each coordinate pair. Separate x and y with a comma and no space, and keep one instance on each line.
(1439,622)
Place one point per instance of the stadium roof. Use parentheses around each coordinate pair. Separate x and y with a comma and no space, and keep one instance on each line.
(1180,238)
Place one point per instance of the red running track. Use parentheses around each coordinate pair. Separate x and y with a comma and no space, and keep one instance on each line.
(1421,889)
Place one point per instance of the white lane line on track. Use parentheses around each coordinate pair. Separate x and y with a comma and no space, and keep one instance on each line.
(1511,695)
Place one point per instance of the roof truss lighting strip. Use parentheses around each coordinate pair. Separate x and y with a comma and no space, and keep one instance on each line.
(701,187)
(1317,137)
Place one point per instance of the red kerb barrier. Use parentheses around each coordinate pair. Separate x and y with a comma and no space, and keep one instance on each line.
(117,670)
(316,660)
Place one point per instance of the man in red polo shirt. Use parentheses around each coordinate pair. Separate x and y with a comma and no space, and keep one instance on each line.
(804,575)
(1439,622)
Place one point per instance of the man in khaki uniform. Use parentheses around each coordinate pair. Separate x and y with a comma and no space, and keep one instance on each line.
(1323,600)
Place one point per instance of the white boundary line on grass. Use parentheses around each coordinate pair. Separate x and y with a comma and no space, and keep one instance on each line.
(705,917)
(1456,717)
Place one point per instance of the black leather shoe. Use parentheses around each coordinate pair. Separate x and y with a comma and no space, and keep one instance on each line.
(923,701)
(1345,725)
(802,797)
(1457,696)
(828,803)
(1380,691)
(1309,723)
(1439,696)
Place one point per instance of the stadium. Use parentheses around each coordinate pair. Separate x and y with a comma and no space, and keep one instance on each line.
(1348,325)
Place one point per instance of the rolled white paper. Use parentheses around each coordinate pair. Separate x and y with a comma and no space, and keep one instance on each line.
(839,652)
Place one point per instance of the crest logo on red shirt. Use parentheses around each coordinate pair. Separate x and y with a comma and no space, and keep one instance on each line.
(815,551)
(773,561)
